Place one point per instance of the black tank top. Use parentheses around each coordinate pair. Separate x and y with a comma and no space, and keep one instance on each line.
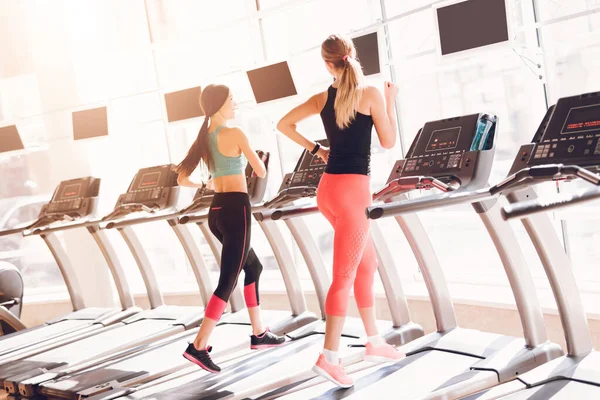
(350,148)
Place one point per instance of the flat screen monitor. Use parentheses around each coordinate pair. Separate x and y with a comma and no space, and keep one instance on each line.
(471,24)
(272,82)
(10,139)
(90,123)
(183,104)
(367,51)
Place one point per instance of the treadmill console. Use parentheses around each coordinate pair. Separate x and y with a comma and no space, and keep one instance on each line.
(75,198)
(153,187)
(303,181)
(454,149)
(309,168)
(569,133)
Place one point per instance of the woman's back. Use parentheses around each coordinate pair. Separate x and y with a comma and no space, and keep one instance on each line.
(350,148)
(229,162)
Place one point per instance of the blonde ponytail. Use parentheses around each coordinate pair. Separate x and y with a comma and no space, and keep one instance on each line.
(340,51)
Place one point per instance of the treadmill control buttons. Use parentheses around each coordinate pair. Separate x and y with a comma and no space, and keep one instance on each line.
(571,149)
(597,150)
(410,165)
(542,151)
(454,160)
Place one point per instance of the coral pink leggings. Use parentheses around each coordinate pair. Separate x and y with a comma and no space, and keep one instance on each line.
(342,199)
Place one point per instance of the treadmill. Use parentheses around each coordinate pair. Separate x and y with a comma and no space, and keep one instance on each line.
(565,147)
(152,190)
(243,377)
(455,156)
(132,372)
(73,201)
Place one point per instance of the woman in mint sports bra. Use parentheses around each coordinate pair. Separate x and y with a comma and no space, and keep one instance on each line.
(225,151)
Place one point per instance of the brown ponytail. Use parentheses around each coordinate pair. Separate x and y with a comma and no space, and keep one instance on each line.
(212,99)
(340,51)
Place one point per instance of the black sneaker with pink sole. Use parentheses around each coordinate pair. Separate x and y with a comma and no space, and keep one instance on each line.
(201,358)
(265,340)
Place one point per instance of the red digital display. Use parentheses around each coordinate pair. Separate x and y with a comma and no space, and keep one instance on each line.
(444,139)
(71,191)
(582,119)
(150,179)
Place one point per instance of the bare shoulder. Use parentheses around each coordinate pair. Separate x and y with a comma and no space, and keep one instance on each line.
(320,99)
(234,133)
(371,92)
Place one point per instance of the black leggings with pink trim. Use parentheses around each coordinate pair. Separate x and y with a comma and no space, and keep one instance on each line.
(229,219)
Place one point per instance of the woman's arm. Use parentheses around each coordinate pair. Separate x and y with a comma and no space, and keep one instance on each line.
(288,124)
(384,114)
(244,144)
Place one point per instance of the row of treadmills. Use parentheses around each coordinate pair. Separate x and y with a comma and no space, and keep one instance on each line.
(130,353)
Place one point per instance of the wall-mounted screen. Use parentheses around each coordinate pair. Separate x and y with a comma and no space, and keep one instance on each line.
(90,123)
(272,82)
(367,51)
(183,104)
(471,24)
(10,139)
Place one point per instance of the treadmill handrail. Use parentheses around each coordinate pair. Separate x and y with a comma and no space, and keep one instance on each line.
(13,231)
(411,206)
(12,320)
(291,212)
(527,208)
(154,216)
(128,209)
(543,173)
(80,223)
(191,208)
(305,190)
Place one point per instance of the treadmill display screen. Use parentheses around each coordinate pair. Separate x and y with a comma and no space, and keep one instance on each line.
(150,180)
(71,191)
(444,139)
(582,119)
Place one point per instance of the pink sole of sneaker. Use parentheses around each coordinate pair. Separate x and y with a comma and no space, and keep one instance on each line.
(319,371)
(264,346)
(192,359)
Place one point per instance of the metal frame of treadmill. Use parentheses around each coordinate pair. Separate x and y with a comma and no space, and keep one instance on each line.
(183,318)
(559,272)
(97,318)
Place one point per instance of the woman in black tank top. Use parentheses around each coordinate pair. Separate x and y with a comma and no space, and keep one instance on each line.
(349,109)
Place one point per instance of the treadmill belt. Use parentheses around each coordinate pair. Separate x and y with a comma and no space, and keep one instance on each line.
(413,377)
(245,374)
(119,337)
(257,369)
(558,390)
(498,391)
(36,335)
(150,364)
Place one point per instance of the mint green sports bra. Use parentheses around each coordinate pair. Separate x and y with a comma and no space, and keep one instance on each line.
(224,165)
